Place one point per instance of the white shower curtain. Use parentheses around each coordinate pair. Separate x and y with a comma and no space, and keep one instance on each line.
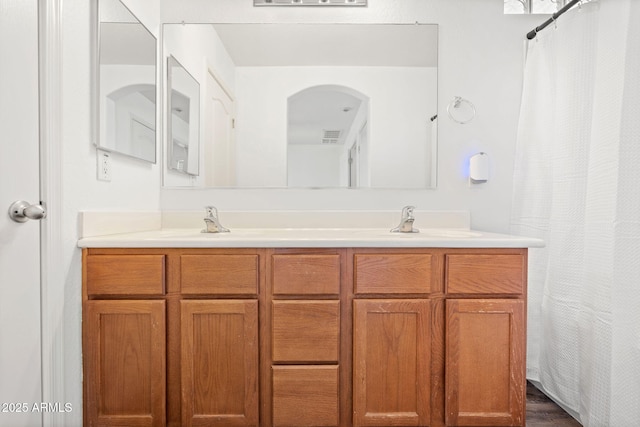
(577,186)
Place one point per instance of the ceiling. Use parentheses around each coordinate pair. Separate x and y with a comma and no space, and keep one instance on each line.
(393,45)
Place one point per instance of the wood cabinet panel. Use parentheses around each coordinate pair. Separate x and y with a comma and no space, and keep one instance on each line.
(306,274)
(392,273)
(219,362)
(485,372)
(125,274)
(391,354)
(124,363)
(305,396)
(306,331)
(485,274)
(219,274)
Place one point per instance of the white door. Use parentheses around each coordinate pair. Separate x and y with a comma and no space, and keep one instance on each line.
(219,151)
(20,355)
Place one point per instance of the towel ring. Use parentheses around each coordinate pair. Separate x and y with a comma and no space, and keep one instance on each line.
(459,102)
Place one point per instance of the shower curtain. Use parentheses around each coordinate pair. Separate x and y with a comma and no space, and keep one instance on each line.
(577,186)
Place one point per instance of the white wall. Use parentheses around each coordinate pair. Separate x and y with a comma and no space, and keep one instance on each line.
(314,165)
(480,59)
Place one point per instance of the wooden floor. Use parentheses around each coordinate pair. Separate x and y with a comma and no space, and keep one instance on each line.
(543,412)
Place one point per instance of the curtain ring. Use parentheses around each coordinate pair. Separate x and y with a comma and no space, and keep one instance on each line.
(459,102)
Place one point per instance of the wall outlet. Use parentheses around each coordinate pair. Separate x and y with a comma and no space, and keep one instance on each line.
(104,165)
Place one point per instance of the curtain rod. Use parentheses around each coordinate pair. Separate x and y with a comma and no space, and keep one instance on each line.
(533,33)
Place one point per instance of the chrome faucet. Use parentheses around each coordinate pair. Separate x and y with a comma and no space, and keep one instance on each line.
(212,222)
(406,223)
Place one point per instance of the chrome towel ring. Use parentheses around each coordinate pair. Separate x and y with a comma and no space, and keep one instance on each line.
(461,110)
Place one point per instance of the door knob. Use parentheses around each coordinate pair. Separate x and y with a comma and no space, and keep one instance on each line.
(21,211)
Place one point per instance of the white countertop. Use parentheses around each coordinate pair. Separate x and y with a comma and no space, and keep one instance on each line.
(309,238)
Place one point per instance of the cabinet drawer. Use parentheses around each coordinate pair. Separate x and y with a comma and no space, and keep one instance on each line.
(305,396)
(219,274)
(125,274)
(306,331)
(485,274)
(317,274)
(392,273)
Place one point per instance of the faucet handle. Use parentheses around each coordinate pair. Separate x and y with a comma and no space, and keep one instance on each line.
(212,222)
(211,211)
(407,211)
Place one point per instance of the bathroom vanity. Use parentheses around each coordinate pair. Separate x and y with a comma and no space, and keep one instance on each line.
(297,331)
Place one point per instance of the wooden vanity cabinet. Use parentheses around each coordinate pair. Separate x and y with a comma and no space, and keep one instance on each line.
(306,363)
(124,340)
(304,337)
(485,332)
(219,354)
(170,337)
(392,337)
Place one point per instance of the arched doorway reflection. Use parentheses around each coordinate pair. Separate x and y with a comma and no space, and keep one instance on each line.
(327,137)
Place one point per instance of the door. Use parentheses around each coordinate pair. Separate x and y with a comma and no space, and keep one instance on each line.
(125,363)
(391,362)
(219,362)
(219,151)
(485,372)
(20,353)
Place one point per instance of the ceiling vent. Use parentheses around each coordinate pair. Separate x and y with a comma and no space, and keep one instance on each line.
(330,136)
(310,2)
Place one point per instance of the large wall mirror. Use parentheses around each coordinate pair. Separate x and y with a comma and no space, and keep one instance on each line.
(124,82)
(314,105)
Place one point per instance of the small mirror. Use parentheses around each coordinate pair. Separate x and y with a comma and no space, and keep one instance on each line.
(184,125)
(125,83)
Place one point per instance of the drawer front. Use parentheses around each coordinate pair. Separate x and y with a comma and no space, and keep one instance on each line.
(306,331)
(125,274)
(219,274)
(305,396)
(298,274)
(485,274)
(392,273)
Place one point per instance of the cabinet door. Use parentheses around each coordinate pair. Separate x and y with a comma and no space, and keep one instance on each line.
(124,363)
(485,372)
(219,362)
(391,363)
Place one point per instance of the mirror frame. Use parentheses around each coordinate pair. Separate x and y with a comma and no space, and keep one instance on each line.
(95,93)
